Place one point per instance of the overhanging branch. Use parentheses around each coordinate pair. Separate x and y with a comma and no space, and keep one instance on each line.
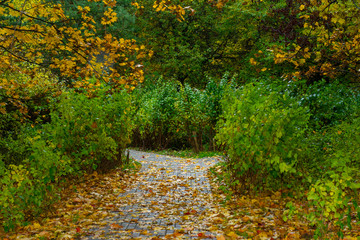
(356,5)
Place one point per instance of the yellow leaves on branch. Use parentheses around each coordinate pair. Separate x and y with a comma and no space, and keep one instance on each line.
(334,38)
(18,88)
(163,5)
(109,17)
(109,3)
(159,6)
(253,62)
(178,11)
(46,38)
(137,5)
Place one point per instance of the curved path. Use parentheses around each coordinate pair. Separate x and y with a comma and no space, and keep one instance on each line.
(170,199)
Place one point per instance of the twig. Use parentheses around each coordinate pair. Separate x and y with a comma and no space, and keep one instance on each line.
(356,5)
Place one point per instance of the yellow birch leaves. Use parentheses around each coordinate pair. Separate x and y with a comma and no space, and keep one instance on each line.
(177,10)
(47,37)
(75,48)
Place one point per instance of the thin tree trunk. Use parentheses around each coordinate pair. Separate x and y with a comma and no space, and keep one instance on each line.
(196,142)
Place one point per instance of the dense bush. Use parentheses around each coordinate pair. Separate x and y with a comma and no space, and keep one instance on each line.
(329,103)
(28,188)
(91,131)
(331,158)
(156,116)
(199,112)
(170,115)
(84,134)
(193,119)
(277,135)
(262,128)
(334,175)
(23,100)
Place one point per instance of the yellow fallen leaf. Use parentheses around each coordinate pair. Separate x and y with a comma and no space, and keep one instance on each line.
(145,232)
(263,235)
(213,228)
(66,237)
(350,238)
(36,226)
(232,235)
(220,237)
(217,220)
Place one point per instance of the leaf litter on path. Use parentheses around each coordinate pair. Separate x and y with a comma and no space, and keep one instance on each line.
(169,198)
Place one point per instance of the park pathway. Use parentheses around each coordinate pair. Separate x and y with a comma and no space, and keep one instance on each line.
(170,199)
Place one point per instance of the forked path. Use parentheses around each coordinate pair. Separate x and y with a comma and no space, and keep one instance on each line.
(171,198)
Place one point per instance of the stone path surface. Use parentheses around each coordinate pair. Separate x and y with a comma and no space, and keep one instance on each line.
(170,199)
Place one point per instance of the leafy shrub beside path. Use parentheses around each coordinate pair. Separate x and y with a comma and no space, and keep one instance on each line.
(169,115)
(278,136)
(85,134)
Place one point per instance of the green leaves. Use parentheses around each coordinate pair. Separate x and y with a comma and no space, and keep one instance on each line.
(176,116)
(263,135)
(85,134)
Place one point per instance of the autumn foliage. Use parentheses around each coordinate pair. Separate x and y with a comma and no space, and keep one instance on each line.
(37,35)
(272,84)
(320,39)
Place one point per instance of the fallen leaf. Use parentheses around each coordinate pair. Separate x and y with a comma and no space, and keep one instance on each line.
(44,234)
(220,237)
(115,226)
(232,235)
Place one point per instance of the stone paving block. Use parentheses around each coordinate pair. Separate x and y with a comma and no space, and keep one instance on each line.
(166,189)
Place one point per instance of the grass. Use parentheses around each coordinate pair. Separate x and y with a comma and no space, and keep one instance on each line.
(186,153)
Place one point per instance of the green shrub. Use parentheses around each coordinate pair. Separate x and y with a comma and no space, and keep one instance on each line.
(261,129)
(334,185)
(84,134)
(27,188)
(92,132)
(329,103)
(265,131)
(14,148)
(192,118)
(175,116)
(24,100)
(156,117)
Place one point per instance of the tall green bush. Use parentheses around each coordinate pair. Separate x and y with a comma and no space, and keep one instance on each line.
(193,117)
(276,135)
(85,134)
(329,103)
(335,178)
(178,116)
(156,116)
(92,131)
(261,128)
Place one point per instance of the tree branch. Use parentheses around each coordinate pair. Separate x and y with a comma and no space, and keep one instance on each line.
(22,58)
(27,15)
(20,30)
(356,5)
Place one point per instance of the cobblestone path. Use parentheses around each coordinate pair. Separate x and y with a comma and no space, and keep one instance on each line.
(170,199)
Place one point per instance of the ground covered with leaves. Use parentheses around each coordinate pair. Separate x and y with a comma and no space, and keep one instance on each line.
(270,215)
(168,198)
